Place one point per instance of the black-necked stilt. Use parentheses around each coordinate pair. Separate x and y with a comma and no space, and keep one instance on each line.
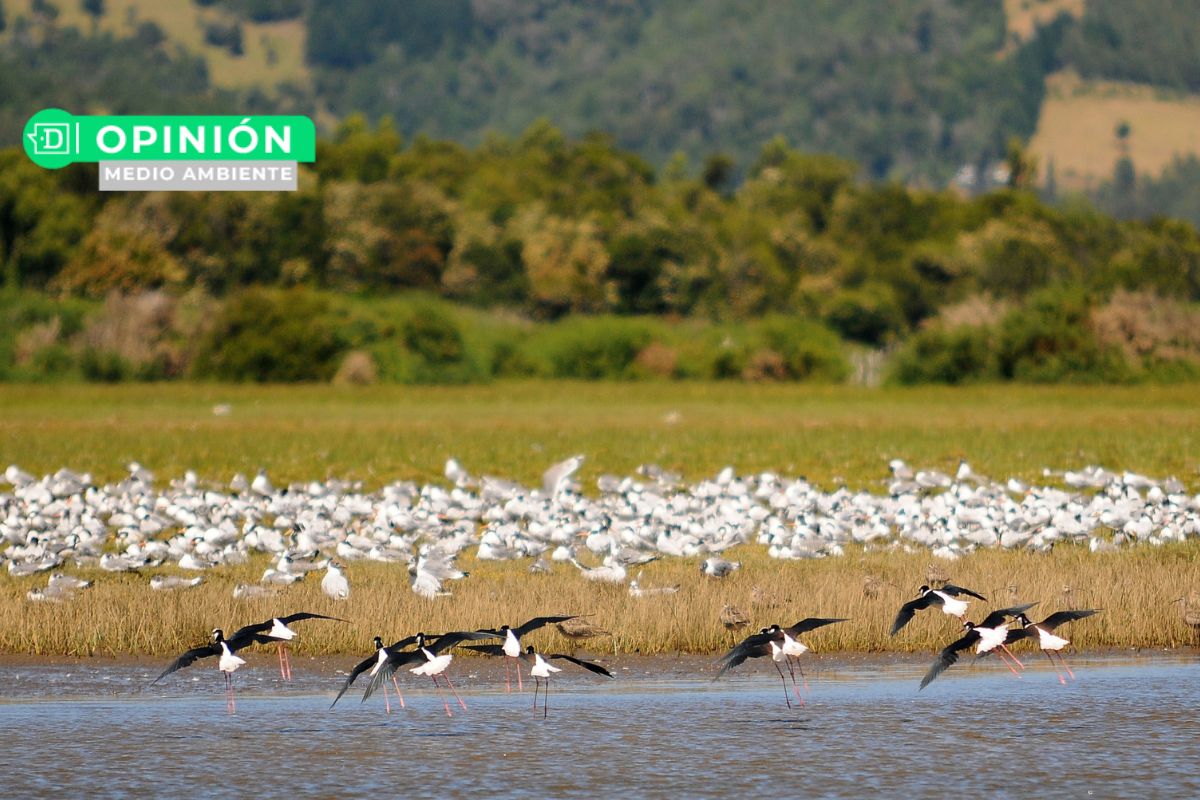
(993,632)
(1048,641)
(512,642)
(429,658)
(778,643)
(374,663)
(276,629)
(542,669)
(946,597)
(227,663)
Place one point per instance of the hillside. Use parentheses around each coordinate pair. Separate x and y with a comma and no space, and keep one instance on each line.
(913,90)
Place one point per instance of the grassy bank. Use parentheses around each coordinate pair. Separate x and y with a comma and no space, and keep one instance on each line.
(829,434)
(379,434)
(120,614)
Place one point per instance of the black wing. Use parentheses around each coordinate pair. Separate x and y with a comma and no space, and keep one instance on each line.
(362,667)
(1062,617)
(247,631)
(811,623)
(405,642)
(244,637)
(486,649)
(955,591)
(189,658)
(394,662)
(290,618)
(753,646)
(909,609)
(998,616)
(588,665)
(537,622)
(948,656)
(448,640)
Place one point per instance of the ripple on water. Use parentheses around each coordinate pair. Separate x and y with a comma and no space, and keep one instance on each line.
(1125,728)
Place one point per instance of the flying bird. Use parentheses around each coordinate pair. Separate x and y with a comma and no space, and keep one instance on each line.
(986,636)
(511,647)
(946,597)
(1048,641)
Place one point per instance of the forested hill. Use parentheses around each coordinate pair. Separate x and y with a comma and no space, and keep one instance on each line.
(913,90)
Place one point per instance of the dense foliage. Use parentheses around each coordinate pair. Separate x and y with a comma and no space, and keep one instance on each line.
(584,262)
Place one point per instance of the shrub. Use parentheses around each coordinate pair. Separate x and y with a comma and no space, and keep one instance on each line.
(589,347)
(941,354)
(809,350)
(271,335)
(1051,339)
(869,313)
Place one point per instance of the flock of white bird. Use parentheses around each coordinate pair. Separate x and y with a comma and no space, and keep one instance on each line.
(65,519)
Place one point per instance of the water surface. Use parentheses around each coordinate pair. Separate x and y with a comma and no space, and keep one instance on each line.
(662,728)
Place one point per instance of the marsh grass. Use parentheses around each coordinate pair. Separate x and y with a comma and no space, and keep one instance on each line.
(1137,589)
(832,435)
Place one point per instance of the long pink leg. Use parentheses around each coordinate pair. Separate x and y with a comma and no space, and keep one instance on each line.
(507,675)
(537,684)
(795,689)
(1056,672)
(439,691)
(1066,667)
(1004,661)
(803,677)
(786,694)
(230,703)
(387,706)
(399,696)
(517,667)
(279,653)
(446,678)
(1010,655)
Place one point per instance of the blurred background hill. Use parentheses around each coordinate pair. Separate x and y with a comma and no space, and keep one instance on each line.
(979,190)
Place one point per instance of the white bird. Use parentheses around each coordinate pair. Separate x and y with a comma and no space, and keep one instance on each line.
(719,567)
(262,484)
(334,583)
(555,479)
(165,583)
(426,575)
(637,590)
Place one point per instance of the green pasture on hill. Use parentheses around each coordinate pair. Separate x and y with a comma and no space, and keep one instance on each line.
(829,434)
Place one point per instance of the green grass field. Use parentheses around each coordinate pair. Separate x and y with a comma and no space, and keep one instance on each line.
(515,430)
(829,434)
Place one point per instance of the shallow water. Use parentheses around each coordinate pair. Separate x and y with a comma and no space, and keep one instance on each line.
(662,728)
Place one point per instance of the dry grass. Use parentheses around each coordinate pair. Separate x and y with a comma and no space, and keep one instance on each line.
(1024,16)
(274,52)
(1078,120)
(1138,589)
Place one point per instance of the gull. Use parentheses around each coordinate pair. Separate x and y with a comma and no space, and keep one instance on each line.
(59,579)
(431,568)
(334,583)
(608,572)
(718,567)
(262,484)
(248,591)
(17,476)
(637,590)
(114,563)
(555,479)
(160,583)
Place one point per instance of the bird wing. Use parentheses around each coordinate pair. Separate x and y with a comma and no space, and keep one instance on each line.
(909,609)
(998,616)
(752,646)
(251,634)
(1014,635)
(394,662)
(290,618)
(189,658)
(537,622)
(448,640)
(1062,617)
(362,667)
(486,649)
(955,591)
(811,623)
(948,656)
(405,642)
(588,665)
